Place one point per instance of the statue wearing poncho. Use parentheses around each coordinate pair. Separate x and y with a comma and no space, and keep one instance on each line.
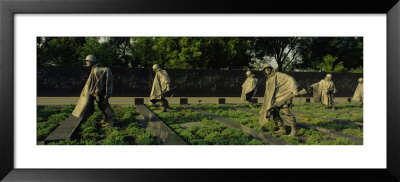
(324,91)
(161,84)
(249,88)
(358,94)
(98,87)
(280,89)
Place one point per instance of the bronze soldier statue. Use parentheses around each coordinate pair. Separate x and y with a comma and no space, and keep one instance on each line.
(161,85)
(325,91)
(98,88)
(280,89)
(358,94)
(249,88)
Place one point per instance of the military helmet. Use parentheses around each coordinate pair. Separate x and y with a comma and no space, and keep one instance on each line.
(156,67)
(248,73)
(91,58)
(266,65)
(329,75)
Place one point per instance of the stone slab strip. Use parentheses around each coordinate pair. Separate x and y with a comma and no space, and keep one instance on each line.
(357,140)
(65,130)
(256,134)
(156,127)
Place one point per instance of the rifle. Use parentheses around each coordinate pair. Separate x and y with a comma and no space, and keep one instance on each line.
(165,92)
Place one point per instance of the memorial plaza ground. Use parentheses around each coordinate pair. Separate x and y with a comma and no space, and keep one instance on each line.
(201,122)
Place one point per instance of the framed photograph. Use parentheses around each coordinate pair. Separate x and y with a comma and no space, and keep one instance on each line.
(194,59)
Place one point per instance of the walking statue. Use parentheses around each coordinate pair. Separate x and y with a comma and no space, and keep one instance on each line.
(98,87)
(161,86)
(280,89)
(358,94)
(324,92)
(249,88)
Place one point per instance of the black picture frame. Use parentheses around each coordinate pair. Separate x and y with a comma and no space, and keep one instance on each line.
(9,8)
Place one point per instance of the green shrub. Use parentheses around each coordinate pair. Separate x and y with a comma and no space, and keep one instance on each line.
(68,108)
(46,111)
(353,131)
(290,139)
(115,138)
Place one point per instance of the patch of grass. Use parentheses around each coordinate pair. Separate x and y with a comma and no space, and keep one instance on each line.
(126,132)
(311,137)
(354,131)
(291,139)
(46,111)
(44,128)
(207,132)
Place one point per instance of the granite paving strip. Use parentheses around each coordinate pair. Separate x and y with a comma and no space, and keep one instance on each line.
(189,125)
(156,127)
(65,130)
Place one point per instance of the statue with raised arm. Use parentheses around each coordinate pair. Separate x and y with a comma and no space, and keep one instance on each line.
(249,88)
(98,87)
(324,91)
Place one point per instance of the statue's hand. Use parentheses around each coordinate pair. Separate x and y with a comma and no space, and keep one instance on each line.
(97,98)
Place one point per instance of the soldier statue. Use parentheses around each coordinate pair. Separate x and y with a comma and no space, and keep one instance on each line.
(249,88)
(280,89)
(98,88)
(161,85)
(324,91)
(358,94)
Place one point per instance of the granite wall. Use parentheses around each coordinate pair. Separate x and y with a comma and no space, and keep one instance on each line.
(128,82)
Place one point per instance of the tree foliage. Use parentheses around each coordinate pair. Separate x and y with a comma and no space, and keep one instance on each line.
(347,50)
(283,50)
(289,53)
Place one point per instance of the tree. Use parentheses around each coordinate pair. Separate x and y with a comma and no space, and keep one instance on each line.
(122,46)
(281,49)
(191,52)
(142,52)
(347,50)
(328,65)
(105,52)
(59,51)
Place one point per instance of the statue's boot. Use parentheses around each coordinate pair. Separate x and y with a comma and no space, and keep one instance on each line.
(110,121)
(293,130)
(281,131)
(251,105)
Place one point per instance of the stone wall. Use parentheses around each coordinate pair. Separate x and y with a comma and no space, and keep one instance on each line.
(128,82)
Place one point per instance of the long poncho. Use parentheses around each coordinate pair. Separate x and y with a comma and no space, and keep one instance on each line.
(279,89)
(249,85)
(100,83)
(161,80)
(321,91)
(358,94)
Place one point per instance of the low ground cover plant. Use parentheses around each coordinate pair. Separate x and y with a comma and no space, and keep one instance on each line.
(126,131)
(305,136)
(204,131)
(343,119)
